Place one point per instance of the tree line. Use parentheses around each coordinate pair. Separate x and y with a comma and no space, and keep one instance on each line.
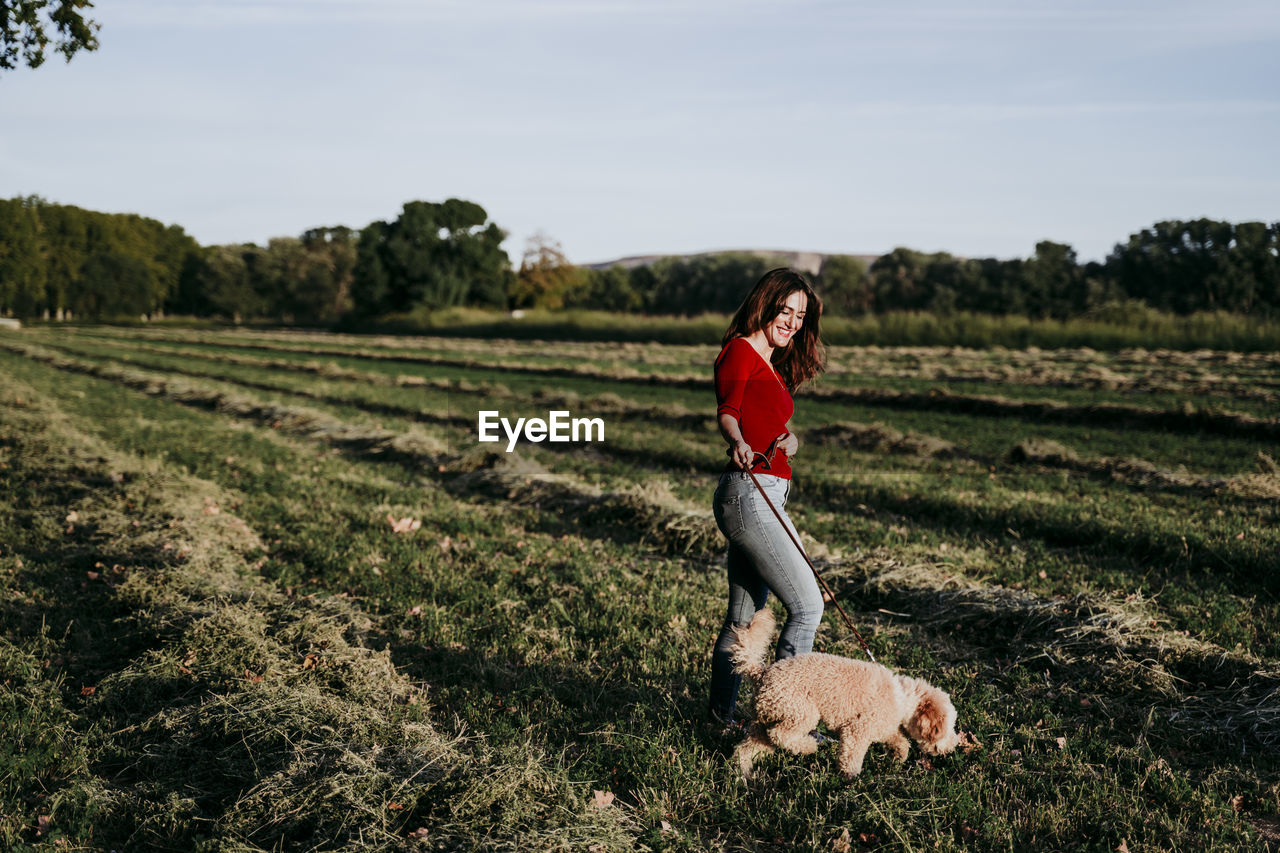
(64,262)
(61,261)
(1178,267)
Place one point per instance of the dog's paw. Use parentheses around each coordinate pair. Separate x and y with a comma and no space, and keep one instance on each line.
(850,766)
(745,758)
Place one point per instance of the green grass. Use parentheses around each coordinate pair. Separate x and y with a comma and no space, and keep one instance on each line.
(176,746)
(1178,545)
(1141,327)
(1168,379)
(1117,327)
(980,434)
(560,652)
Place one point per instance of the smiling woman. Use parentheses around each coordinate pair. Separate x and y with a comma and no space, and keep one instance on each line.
(771,348)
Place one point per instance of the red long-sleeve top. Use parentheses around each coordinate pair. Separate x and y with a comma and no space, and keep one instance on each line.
(750,390)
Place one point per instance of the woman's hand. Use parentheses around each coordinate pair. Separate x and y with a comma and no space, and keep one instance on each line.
(741,454)
(789,445)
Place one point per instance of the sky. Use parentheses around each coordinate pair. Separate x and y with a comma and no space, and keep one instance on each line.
(629,127)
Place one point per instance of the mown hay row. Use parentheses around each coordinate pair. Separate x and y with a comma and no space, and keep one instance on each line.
(648,511)
(1201,687)
(685,355)
(1114,414)
(1150,545)
(1246,376)
(1051,411)
(235,713)
(841,358)
(598,404)
(1243,376)
(874,438)
(606,403)
(1102,378)
(325,369)
(1264,484)
(619,372)
(877,438)
(677,527)
(1030,358)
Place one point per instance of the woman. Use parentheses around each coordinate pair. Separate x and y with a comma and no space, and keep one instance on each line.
(770,349)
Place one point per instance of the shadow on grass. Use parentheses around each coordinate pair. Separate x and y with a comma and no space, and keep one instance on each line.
(1172,558)
(1032,411)
(1166,686)
(1242,570)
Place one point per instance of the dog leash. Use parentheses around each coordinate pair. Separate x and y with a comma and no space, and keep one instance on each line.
(768,461)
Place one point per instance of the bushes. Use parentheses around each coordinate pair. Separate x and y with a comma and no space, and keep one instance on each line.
(1114,326)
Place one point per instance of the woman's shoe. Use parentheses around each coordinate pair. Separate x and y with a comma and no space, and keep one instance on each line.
(725,730)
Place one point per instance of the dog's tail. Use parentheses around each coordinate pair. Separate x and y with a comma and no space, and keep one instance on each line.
(751,644)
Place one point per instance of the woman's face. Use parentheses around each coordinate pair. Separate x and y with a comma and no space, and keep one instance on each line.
(781,329)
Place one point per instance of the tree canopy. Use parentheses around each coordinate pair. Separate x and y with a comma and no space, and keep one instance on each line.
(27,27)
(56,259)
(59,261)
(435,255)
(546,278)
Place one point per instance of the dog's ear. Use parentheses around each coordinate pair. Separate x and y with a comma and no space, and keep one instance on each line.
(930,718)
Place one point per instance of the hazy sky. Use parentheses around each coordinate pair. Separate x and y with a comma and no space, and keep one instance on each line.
(622,127)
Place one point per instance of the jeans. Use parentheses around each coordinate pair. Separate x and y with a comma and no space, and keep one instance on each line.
(762,557)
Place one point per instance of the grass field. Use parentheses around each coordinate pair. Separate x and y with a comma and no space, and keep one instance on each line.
(221,632)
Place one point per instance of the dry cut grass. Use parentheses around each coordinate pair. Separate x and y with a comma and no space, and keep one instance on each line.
(247,715)
(1122,643)
(1264,484)
(656,515)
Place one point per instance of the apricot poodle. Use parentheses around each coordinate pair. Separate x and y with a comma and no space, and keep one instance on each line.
(861,701)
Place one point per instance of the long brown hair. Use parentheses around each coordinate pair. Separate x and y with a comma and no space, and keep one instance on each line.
(803,358)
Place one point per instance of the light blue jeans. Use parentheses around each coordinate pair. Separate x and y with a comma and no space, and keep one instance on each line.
(762,557)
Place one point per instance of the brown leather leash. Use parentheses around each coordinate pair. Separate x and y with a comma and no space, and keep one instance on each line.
(768,460)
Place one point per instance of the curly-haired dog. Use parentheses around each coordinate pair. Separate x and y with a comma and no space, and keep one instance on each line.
(863,702)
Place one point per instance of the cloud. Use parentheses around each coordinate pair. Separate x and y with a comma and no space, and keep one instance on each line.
(193,14)
(987,111)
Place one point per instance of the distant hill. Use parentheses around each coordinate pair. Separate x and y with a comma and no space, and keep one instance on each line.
(808,262)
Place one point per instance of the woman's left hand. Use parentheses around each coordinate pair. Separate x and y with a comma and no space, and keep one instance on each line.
(789,445)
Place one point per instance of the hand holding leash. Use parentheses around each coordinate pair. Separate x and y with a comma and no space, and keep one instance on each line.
(742,454)
(768,458)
